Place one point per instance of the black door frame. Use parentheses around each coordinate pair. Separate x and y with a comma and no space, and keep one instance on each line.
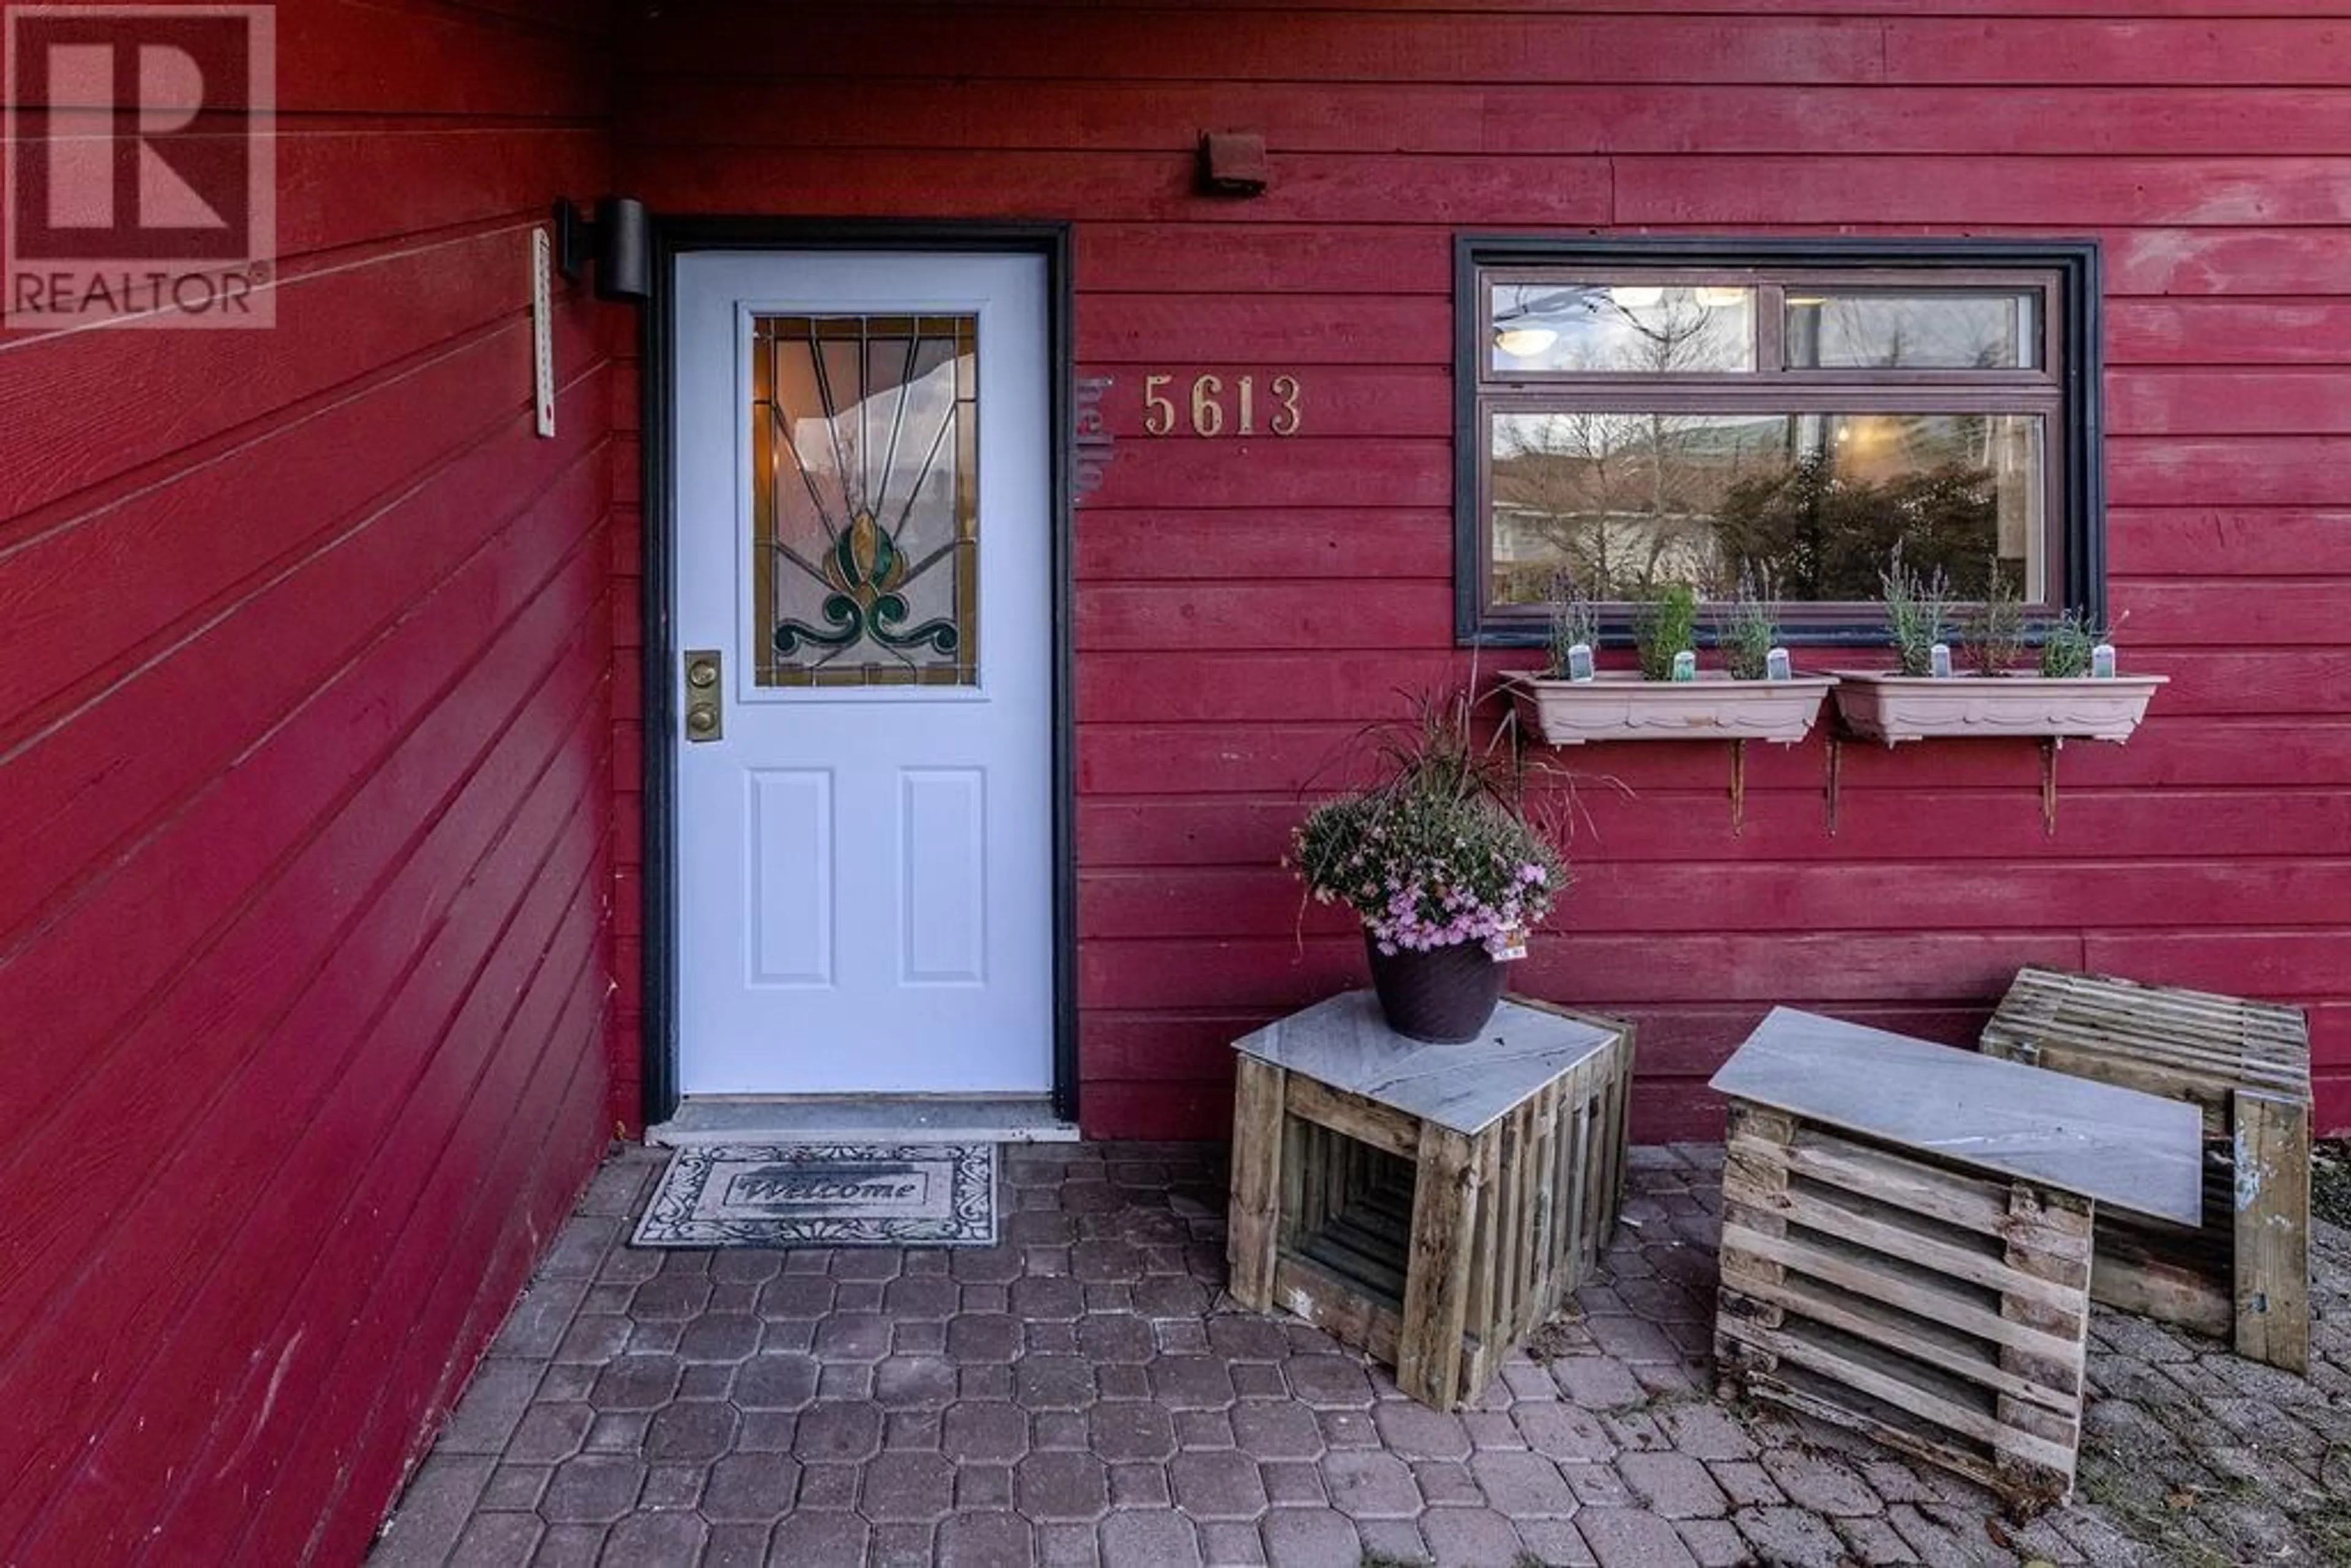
(673,237)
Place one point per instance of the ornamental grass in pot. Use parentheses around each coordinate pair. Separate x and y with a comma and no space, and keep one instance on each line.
(1442,864)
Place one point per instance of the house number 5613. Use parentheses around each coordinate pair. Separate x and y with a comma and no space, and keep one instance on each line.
(1215,407)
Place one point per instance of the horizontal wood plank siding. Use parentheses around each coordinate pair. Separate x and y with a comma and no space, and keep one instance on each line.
(305,731)
(1245,605)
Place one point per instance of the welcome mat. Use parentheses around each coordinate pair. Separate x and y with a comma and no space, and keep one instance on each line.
(825,1195)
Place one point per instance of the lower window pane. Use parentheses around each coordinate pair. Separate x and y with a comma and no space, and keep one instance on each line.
(1620,502)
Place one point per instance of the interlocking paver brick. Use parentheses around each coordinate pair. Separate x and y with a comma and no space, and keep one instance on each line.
(650,1538)
(719,1336)
(1365,1483)
(594,1488)
(1216,1484)
(1446,1483)
(1523,1484)
(1596,1382)
(1061,1485)
(570,1546)
(1633,1538)
(821,1538)
(1053,1383)
(1311,1538)
(700,1429)
(1149,1538)
(549,1432)
(984,1432)
(496,1540)
(1820,1482)
(913,1487)
(1412,1431)
(1269,1431)
(1562,1431)
(838,1431)
(984,1541)
(1123,1338)
(1715,1542)
(914,1382)
(635,1383)
(1227,1544)
(982,1337)
(736,1546)
(758,1486)
(1140,1486)
(1085,1393)
(1467,1535)
(983,1486)
(1191,1383)
(1671,1484)
(1790,1535)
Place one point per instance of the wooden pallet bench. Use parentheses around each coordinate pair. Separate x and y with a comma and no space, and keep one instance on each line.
(1907,1240)
(2244,1274)
(1429,1204)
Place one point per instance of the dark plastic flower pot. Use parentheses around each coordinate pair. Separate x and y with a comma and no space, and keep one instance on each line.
(1442,996)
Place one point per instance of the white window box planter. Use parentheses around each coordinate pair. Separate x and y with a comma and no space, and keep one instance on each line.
(1890,708)
(1620,705)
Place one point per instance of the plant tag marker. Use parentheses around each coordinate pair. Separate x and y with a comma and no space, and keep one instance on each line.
(1579,662)
(1507,945)
(1685,665)
(1939,661)
(1775,665)
(2102,662)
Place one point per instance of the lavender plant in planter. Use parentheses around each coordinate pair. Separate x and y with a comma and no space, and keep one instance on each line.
(1442,865)
(2066,697)
(1568,704)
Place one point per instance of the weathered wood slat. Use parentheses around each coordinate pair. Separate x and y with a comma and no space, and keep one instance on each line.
(1436,1250)
(1888,1293)
(2245,1273)
(2273,1228)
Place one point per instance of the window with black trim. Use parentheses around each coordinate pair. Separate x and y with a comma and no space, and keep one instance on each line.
(1633,414)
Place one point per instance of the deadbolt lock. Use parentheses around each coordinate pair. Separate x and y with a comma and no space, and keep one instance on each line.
(703,720)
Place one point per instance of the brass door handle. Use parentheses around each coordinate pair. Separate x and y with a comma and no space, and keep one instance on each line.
(703,691)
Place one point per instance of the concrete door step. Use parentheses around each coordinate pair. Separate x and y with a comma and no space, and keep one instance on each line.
(703,1120)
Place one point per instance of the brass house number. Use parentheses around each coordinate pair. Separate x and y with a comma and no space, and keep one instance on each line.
(1213,405)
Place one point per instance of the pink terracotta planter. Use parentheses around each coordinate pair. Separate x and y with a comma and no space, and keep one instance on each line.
(1620,705)
(1890,708)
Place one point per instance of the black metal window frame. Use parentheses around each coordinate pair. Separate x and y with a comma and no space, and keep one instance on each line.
(2073,334)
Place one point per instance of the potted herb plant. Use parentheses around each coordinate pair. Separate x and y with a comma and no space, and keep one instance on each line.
(1442,864)
(1668,697)
(2074,692)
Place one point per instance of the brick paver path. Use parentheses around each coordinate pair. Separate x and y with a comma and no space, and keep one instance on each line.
(1082,1395)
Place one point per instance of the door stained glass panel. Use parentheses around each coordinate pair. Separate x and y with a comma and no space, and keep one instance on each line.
(865,490)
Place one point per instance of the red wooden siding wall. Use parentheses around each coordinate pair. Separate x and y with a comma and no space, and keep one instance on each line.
(1245,605)
(305,807)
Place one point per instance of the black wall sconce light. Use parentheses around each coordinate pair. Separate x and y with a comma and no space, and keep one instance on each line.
(620,240)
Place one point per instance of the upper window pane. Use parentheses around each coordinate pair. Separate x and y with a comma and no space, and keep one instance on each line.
(1620,329)
(1956,329)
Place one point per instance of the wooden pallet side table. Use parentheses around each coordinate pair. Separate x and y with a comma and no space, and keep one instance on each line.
(1429,1204)
(1906,1239)
(2244,1274)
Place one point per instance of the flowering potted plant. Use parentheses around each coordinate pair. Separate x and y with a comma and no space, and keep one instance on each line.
(1440,862)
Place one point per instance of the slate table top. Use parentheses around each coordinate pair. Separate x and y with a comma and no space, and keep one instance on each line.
(2117,1147)
(1344,1043)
